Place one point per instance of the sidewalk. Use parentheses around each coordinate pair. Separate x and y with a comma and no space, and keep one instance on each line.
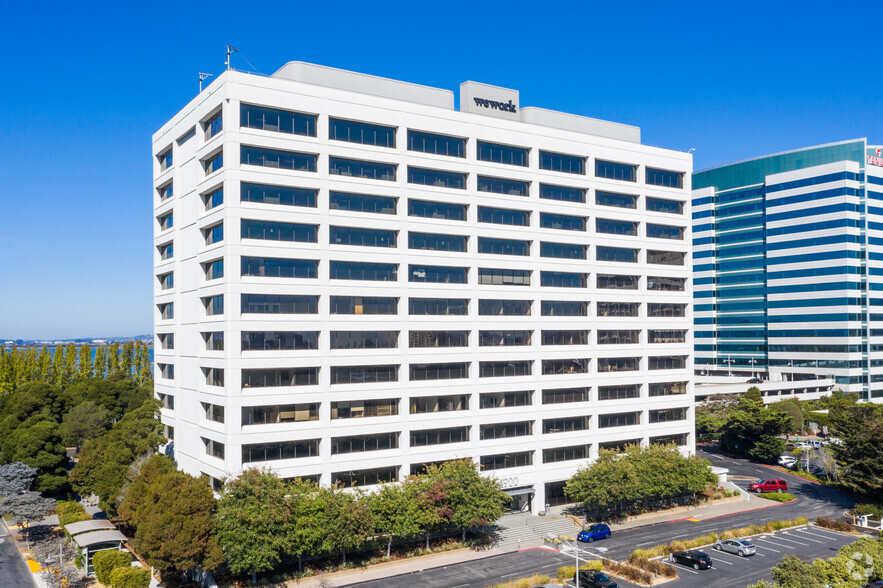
(746,502)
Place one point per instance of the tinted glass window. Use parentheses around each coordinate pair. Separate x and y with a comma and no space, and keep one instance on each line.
(570,164)
(503,186)
(434,177)
(360,270)
(662,205)
(278,195)
(620,254)
(362,169)
(361,203)
(502,154)
(661,177)
(617,200)
(563,250)
(364,133)
(437,144)
(564,308)
(437,210)
(502,216)
(279,159)
(279,268)
(616,227)
(361,237)
(503,246)
(562,221)
(615,171)
(436,242)
(271,119)
(562,193)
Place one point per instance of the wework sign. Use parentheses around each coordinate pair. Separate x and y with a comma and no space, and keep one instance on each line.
(494,105)
(489,100)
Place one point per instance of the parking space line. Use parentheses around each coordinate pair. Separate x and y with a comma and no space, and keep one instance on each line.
(813,534)
(729,563)
(803,536)
(734,555)
(681,568)
(774,543)
(765,547)
(780,538)
(829,532)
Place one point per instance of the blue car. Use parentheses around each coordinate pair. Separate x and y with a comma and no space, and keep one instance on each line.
(596,531)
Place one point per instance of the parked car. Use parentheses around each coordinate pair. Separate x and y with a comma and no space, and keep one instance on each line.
(803,445)
(769,486)
(547,586)
(832,441)
(787,460)
(815,444)
(755,381)
(594,532)
(740,547)
(592,579)
(698,560)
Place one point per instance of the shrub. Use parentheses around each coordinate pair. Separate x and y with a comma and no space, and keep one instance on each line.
(654,567)
(568,572)
(130,577)
(835,525)
(627,572)
(737,492)
(523,582)
(777,496)
(874,511)
(106,562)
(71,512)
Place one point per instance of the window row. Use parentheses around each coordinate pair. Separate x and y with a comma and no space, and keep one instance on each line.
(309,376)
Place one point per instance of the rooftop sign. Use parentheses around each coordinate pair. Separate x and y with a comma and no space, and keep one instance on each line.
(489,100)
(876,159)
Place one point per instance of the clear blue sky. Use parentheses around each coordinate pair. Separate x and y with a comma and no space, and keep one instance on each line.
(85,85)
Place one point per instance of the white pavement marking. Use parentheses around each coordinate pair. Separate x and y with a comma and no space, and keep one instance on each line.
(780,538)
(645,543)
(729,563)
(802,536)
(681,568)
(830,532)
(774,543)
(765,547)
(808,532)
(736,555)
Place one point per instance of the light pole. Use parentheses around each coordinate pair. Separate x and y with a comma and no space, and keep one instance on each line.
(753,361)
(576,549)
(729,363)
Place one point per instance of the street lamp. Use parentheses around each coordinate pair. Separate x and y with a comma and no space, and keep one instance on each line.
(729,363)
(576,550)
(752,361)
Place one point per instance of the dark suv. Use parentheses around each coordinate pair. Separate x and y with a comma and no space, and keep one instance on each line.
(695,559)
(592,579)
(769,486)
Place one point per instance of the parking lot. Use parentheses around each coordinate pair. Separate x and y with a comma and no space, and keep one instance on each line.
(731,571)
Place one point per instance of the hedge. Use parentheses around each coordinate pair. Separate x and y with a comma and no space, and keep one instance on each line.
(874,511)
(654,567)
(568,572)
(664,549)
(70,511)
(836,525)
(107,561)
(777,496)
(130,577)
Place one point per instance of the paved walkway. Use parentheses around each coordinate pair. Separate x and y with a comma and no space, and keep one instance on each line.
(523,531)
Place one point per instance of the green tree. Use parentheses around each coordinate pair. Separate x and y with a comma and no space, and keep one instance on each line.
(251,521)
(347,520)
(306,529)
(712,414)
(750,422)
(99,367)
(113,357)
(622,482)
(767,449)
(107,561)
(794,409)
(84,364)
(104,462)
(860,427)
(69,364)
(8,376)
(474,500)
(127,358)
(44,366)
(37,443)
(397,510)
(87,420)
(57,375)
(172,514)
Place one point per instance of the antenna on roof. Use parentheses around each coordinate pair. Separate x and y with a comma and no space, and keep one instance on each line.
(229,51)
(202,78)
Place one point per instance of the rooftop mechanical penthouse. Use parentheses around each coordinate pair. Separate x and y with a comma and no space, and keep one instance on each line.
(354,280)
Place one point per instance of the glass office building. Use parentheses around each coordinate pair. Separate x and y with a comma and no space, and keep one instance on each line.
(788,267)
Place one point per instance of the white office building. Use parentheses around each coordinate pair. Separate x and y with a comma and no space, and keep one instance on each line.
(355,279)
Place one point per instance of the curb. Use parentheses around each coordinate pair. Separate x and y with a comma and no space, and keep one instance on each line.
(792,474)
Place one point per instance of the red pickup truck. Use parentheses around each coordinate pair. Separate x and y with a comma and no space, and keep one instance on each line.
(769,486)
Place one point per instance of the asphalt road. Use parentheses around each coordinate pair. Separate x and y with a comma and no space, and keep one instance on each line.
(813,501)
(14,573)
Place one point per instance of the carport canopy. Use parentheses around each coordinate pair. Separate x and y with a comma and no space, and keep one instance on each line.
(96,537)
(84,526)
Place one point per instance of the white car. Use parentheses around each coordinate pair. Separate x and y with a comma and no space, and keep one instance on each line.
(803,445)
(832,441)
(787,460)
